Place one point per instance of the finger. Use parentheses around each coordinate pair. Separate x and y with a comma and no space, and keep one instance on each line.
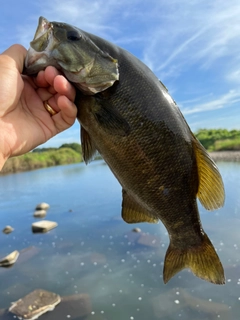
(45,78)
(63,87)
(17,53)
(67,116)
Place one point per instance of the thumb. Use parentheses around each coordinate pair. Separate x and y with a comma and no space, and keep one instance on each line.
(17,53)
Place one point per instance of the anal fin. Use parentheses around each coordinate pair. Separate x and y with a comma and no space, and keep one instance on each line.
(132,212)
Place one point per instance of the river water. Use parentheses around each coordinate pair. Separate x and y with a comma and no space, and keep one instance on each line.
(93,251)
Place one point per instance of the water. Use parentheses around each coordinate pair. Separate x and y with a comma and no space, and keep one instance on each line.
(93,251)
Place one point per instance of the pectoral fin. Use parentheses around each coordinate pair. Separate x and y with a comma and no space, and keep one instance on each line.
(88,147)
(110,119)
(132,212)
(211,189)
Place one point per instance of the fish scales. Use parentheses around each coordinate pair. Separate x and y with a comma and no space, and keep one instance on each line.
(127,115)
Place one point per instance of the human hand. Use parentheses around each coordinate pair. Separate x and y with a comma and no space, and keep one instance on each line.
(24,122)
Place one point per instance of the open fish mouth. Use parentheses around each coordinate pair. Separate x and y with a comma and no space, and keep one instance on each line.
(69,50)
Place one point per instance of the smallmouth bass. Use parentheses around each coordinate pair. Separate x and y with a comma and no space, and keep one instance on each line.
(128,116)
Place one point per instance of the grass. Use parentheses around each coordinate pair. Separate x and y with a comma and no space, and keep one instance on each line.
(36,160)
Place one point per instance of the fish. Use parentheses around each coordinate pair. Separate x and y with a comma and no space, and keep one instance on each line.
(128,116)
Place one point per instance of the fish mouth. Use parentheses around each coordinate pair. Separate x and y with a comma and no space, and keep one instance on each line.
(39,53)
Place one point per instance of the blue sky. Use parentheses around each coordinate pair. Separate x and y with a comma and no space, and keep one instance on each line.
(192,46)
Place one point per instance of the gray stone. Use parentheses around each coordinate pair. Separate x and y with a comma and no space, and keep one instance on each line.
(43,226)
(9,259)
(40,213)
(7,230)
(35,304)
(136,230)
(42,206)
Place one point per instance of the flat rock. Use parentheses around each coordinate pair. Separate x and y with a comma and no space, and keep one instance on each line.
(42,206)
(9,259)
(8,229)
(35,304)
(40,213)
(43,226)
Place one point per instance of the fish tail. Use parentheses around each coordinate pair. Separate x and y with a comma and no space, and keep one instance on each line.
(202,260)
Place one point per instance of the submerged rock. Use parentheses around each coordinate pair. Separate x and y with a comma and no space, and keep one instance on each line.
(35,304)
(42,206)
(40,213)
(7,230)
(43,226)
(149,240)
(9,259)
(174,301)
(136,230)
(77,306)
(28,253)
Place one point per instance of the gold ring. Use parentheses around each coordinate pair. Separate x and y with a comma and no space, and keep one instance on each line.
(49,109)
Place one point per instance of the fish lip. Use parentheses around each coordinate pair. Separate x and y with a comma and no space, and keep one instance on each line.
(43,26)
(30,60)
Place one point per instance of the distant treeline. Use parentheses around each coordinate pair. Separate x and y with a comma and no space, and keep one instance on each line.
(219,139)
(212,140)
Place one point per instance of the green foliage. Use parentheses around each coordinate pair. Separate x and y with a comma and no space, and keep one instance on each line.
(75,146)
(35,160)
(219,139)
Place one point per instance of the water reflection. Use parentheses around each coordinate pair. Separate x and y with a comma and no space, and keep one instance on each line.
(94,252)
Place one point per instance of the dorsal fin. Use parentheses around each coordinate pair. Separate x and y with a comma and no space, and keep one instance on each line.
(132,212)
(211,189)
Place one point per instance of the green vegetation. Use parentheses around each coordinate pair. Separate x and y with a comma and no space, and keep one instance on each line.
(44,157)
(219,139)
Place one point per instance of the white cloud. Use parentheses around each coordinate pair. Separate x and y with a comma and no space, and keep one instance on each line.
(194,33)
(227,100)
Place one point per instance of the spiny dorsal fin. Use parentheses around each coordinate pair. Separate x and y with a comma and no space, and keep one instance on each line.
(211,189)
(88,147)
(132,212)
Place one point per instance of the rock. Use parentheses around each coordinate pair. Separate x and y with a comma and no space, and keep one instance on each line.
(35,304)
(2,312)
(42,206)
(149,240)
(43,226)
(9,259)
(76,306)
(132,236)
(136,230)
(40,213)
(7,230)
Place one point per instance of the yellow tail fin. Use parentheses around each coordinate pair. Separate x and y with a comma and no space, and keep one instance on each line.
(203,261)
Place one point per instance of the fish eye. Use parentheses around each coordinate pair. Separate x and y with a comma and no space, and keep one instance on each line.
(73,35)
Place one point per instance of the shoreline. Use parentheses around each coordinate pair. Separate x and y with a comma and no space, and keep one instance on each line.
(225,156)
